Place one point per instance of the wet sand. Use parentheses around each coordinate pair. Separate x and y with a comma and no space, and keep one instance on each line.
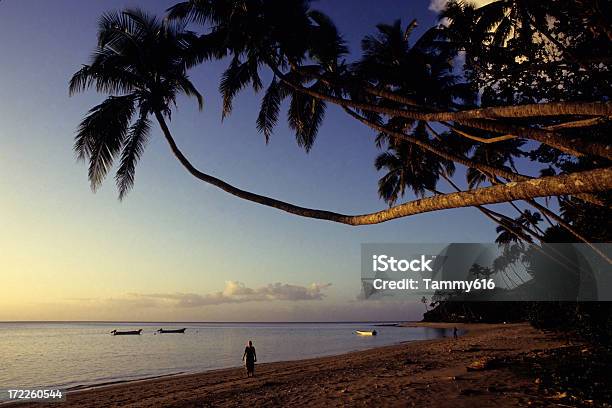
(473,371)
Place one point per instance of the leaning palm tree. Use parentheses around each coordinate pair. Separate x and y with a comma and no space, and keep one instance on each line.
(142,64)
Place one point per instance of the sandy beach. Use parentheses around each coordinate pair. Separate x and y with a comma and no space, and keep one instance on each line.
(481,369)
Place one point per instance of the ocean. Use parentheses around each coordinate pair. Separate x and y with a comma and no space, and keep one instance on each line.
(82,355)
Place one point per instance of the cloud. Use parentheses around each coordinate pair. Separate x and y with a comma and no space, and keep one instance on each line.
(238,292)
(438,5)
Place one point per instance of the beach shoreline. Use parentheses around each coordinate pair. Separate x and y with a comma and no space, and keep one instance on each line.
(104,381)
(428,372)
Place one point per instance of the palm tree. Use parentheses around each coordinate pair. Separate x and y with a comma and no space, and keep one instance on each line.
(280,34)
(409,166)
(528,41)
(422,71)
(502,155)
(475,271)
(142,63)
(498,25)
(524,222)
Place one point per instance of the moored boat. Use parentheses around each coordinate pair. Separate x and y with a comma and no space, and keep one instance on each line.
(172,330)
(366,332)
(126,333)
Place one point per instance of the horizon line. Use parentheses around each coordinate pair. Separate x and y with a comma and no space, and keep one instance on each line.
(206,322)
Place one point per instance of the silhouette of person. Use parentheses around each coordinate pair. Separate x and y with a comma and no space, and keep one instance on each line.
(251,357)
(455,333)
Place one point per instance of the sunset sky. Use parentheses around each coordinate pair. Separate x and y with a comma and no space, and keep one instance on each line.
(176,248)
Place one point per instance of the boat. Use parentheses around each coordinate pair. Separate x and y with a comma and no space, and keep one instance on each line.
(366,332)
(126,333)
(171,330)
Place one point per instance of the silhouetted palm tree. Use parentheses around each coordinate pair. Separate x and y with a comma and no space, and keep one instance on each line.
(524,221)
(409,166)
(501,155)
(142,63)
(505,29)
(390,62)
(280,34)
(422,71)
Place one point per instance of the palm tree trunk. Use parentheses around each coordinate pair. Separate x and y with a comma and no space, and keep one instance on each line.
(540,233)
(499,219)
(510,227)
(528,111)
(518,111)
(583,182)
(575,147)
(495,139)
(485,168)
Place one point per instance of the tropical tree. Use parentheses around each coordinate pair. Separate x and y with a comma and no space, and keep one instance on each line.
(409,166)
(141,63)
(526,221)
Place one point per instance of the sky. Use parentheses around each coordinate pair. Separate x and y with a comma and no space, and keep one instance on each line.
(176,248)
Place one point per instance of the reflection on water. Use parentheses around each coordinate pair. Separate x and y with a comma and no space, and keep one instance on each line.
(77,354)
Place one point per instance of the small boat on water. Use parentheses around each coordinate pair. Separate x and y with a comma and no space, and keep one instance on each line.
(126,333)
(366,332)
(171,330)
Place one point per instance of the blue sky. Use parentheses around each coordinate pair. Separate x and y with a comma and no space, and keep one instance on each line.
(67,253)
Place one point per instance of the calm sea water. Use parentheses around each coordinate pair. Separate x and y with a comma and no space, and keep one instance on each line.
(71,355)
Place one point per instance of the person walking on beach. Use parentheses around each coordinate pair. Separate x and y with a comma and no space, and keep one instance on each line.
(251,358)
(455,333)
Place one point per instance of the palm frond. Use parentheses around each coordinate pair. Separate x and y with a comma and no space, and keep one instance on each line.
(197,11)
(114,27)
(305,116)
(270,107)
(389,188)
(235,78)
(101,134)
(105,78)
(132,150)
(327,45)
(204,47)
(189,89)
(141,62)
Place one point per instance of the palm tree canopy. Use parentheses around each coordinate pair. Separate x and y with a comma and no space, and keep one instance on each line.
(390,62)
(422,71)
(409,166)
(282,34)
(141,63)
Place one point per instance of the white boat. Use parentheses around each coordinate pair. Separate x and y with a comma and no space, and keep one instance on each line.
(366,332)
